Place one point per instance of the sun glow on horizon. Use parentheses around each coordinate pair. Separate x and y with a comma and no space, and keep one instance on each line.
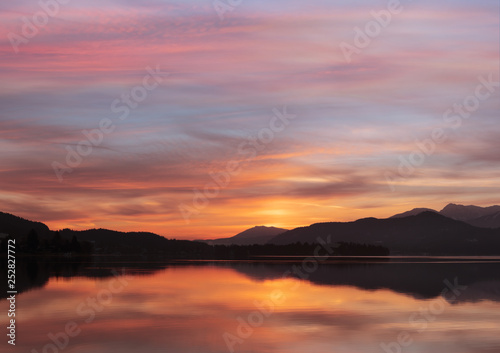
(213,127)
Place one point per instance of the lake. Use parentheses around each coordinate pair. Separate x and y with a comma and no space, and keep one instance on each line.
(414,305)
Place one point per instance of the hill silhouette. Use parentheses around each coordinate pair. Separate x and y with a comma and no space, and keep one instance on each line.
(467,213)
(426,233)
(414,212)
(484,217)
(10,224)
(488,221)
(153,246)
(256,235)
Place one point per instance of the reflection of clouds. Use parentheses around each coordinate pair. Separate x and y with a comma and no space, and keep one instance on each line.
(188,309)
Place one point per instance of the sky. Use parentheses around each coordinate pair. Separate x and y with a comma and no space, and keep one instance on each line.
(199,119)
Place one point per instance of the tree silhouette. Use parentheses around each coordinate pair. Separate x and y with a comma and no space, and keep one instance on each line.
(75,245)
(57,242)
(32,242)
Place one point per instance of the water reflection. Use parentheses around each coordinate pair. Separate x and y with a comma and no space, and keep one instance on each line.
(188,308)
(420,279)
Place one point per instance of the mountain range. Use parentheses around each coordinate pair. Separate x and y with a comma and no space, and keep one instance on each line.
(484,217)
(427,233)
(455,230)
(10,224)
(255,235)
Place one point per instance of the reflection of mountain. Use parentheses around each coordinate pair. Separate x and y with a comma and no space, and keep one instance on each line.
(34,272)
(255,235)
(426,233)
(485,290)
(420,280)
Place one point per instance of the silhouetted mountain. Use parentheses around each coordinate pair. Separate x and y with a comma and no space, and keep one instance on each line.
(489,221)
(468,213)
(105,241)
(484,217)
(255,235)
(13,225)
(414,212)
(37,238)
(425,233)
(110,241)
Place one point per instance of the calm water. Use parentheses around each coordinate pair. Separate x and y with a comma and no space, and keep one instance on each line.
(354,307)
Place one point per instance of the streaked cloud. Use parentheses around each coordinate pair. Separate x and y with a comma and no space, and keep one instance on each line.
(353,120)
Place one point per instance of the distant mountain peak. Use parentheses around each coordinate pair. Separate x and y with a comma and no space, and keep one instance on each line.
(426,232)
(488,221)
(261,228)
(484,217)
(468,213)
(454,206)
(414,212)
(254,235)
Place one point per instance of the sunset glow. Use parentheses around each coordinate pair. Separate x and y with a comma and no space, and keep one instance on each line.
(193,307)
(260,113)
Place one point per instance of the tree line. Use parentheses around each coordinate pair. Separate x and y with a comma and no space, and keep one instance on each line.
(162,248)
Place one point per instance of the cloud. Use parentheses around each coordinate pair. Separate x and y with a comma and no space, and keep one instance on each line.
(353,120)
